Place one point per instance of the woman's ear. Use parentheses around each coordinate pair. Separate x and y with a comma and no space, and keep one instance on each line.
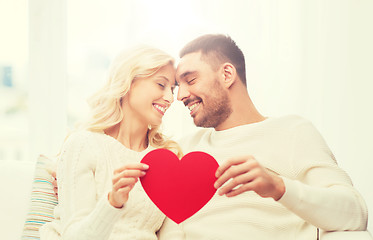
(229,74)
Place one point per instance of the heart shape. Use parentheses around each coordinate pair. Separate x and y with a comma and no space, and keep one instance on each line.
(179,188)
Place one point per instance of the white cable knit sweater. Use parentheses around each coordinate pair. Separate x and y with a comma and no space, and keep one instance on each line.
(84,172)
(318,193)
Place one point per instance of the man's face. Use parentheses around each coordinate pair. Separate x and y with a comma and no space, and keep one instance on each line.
(202,92)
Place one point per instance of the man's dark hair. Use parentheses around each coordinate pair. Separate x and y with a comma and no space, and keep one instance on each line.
(217,49)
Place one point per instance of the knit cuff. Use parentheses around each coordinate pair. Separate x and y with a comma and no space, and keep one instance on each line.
(292,195)
(104,216)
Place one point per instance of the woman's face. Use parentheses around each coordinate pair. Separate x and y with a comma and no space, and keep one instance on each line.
(149,98)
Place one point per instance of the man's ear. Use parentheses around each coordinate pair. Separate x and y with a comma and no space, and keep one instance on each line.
(229,74)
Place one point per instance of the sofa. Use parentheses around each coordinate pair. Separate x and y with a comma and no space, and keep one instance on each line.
(16,178)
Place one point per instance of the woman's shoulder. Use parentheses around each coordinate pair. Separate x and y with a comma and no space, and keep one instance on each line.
(82,144)
(83,134)
(81,138)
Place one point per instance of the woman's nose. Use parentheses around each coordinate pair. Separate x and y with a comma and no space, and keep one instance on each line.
(169,96)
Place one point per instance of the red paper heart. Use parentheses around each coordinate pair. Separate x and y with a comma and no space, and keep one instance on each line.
(179,188)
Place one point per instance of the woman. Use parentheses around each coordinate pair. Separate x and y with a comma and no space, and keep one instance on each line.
(99,166)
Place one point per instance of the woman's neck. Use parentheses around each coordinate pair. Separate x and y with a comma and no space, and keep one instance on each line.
(131,136)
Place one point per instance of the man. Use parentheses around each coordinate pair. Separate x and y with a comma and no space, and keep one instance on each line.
(285,184)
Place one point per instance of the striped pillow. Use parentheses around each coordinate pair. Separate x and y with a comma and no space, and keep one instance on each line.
(42,200)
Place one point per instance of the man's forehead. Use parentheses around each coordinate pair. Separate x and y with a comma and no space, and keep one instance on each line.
(187,64)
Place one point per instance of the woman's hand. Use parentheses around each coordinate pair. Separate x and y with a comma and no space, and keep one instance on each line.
(124,180)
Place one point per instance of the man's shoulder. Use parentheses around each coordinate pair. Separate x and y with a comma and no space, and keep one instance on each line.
(290,121)
(294,124)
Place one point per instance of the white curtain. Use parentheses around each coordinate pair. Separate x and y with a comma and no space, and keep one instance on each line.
(47,76)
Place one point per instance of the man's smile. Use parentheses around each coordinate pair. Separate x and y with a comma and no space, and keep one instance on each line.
(193,108)
(193,105)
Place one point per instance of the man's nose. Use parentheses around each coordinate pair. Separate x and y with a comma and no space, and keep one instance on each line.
(182,93)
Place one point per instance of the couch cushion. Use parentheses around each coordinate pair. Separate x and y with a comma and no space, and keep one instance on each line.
(42,200)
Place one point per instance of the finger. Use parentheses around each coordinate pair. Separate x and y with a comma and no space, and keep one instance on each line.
(54,183)
(230,162)
(55,190)
(123,183)
(241,189)
(125,190)
(54,174)
(227,164)
(139,166)
(239,180)
(232,172)
(120,197)
(128,174)
(131,173)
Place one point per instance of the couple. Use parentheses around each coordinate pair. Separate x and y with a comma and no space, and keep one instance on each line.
(277,177)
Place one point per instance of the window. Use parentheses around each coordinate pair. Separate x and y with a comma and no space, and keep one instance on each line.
(13,80)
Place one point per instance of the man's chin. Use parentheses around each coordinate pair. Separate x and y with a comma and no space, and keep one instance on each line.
(197,122)
(201,123)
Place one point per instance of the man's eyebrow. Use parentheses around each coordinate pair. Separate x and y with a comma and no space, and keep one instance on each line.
(185,74)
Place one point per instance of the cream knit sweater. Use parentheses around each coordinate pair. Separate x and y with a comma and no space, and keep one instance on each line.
(84,172)
(318,193)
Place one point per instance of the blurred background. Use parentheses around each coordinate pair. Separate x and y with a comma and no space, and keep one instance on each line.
(311,58)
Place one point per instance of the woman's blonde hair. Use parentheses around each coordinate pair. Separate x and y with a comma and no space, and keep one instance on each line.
(105,104)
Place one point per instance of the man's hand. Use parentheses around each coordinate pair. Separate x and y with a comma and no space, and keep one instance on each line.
(54,183)
(246,174)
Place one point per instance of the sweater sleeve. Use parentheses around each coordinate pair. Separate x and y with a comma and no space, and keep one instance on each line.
(321,193)
(83,216)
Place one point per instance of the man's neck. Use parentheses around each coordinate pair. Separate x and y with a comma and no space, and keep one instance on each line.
(243,112)
(239,121)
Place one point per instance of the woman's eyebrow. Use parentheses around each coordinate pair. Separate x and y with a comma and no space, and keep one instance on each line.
(163,77)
